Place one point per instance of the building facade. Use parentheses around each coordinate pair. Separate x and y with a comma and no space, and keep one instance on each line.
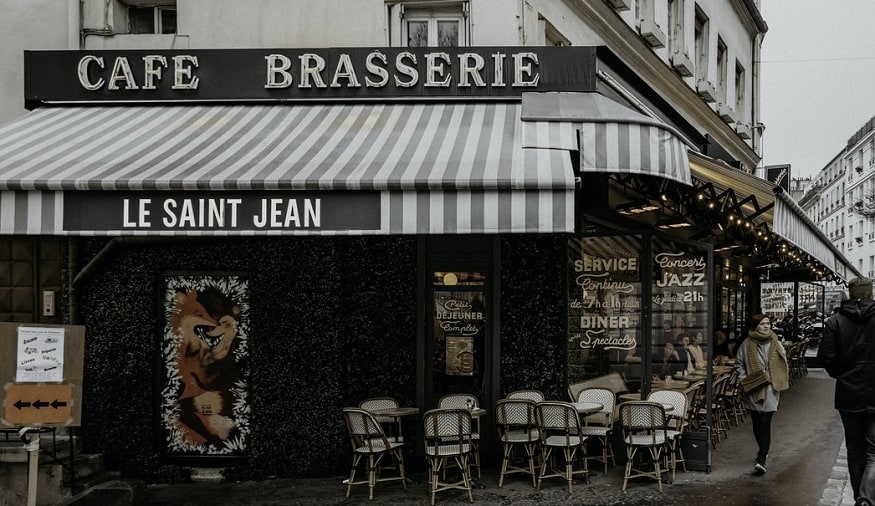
(262,212)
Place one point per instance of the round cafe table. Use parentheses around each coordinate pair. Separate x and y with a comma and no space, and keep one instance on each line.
(397,414)
(587,408)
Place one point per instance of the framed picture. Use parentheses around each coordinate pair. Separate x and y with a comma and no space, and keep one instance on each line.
(205,350)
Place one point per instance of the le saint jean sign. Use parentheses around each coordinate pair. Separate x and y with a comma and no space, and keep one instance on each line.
(304,74)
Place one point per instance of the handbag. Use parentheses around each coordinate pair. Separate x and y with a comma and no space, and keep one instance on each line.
(755,381)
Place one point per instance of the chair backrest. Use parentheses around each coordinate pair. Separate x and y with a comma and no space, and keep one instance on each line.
(677,400)
(458,401)
(447,430)
(532,395)
(556,417)
(601,396)
(512,415)
(364,429)
(643,418)
(379,403)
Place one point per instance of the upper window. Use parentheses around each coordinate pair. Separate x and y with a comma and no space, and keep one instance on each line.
(675,27)
(152,19)
(439,26)
(739,88)
(701,39)
(721,70)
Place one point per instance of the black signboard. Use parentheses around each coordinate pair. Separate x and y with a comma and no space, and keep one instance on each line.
(289,75)
(779,175)
(232,211)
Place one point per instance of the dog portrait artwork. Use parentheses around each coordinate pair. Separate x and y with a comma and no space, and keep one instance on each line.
(205,351)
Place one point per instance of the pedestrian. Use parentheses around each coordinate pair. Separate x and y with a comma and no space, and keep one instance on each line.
(847,352)
(762,351)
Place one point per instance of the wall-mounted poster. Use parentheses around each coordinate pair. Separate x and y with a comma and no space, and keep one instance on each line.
(204,406)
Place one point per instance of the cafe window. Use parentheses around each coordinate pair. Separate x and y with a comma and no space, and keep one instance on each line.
(605,331)
(152,20)
(459,332)
(434,24)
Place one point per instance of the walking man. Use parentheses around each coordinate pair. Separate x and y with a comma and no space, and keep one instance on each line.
(847,352)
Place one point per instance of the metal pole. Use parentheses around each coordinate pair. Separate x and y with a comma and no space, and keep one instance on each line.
(31,444)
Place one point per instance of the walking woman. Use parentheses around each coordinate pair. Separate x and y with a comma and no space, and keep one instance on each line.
(762,351)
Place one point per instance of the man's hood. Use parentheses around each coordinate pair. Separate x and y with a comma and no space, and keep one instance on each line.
(858,309)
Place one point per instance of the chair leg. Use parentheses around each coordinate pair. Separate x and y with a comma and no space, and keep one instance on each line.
(355,461)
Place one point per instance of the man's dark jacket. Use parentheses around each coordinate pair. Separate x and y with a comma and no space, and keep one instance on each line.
(847,352)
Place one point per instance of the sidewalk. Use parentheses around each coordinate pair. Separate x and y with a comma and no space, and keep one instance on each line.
(806,467)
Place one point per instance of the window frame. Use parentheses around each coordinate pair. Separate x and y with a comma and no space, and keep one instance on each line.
(433,15)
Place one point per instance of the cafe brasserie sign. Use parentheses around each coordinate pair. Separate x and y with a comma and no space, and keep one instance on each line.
(289,75)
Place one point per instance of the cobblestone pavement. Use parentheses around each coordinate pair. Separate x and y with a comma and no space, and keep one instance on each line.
(805,468)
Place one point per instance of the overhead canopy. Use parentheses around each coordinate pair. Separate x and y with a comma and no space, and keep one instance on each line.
(437,168)
(772,206)
(611,137)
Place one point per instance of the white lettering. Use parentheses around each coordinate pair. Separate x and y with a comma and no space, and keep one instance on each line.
(376,70)
(278,75)
(522,70)
(182,71)
(345,70)
(151,71)
(406,70)
(121,71)
(471,65)
(83,72)
(434,70)
(311,66)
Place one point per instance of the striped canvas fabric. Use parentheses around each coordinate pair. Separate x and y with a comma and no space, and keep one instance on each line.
(441,168)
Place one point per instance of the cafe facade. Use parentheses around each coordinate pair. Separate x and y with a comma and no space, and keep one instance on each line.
(255,238)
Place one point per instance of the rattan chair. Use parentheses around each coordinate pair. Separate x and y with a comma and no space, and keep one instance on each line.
(466,401)
(388,422)
(517,428)
(645,434)
(676,422)
(560,432)
(448,438)
(601,424)
(368,440)
(532,395)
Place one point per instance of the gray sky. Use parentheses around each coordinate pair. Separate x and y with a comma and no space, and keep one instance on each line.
(818,79)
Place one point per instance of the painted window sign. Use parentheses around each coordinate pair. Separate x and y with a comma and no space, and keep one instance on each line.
(604,304)
(205,409)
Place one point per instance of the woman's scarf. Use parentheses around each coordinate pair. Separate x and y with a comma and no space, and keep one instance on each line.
(779,370)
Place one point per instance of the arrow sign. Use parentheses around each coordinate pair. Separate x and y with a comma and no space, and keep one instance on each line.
(29,404)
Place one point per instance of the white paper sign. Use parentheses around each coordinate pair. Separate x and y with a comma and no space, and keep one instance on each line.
(40,355)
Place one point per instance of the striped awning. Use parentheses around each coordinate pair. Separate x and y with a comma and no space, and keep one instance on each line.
(611,138)
(778,210)
(438,168)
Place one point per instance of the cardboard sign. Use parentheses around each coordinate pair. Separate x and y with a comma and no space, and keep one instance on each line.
(36,404)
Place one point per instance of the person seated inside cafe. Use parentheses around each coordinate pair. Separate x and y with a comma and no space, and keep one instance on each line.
(672,361)
(723,350)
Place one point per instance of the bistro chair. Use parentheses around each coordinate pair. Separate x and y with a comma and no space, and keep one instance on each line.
(675,424)
(560,432)
(601,424)
(369,441)
(469,402)
(517,428)
(532,395)
(448,438)
(375,403)
(644,434)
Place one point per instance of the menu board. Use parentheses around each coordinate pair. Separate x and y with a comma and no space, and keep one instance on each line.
(604,305)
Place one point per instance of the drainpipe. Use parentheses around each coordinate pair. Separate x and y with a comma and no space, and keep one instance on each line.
(109,251)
